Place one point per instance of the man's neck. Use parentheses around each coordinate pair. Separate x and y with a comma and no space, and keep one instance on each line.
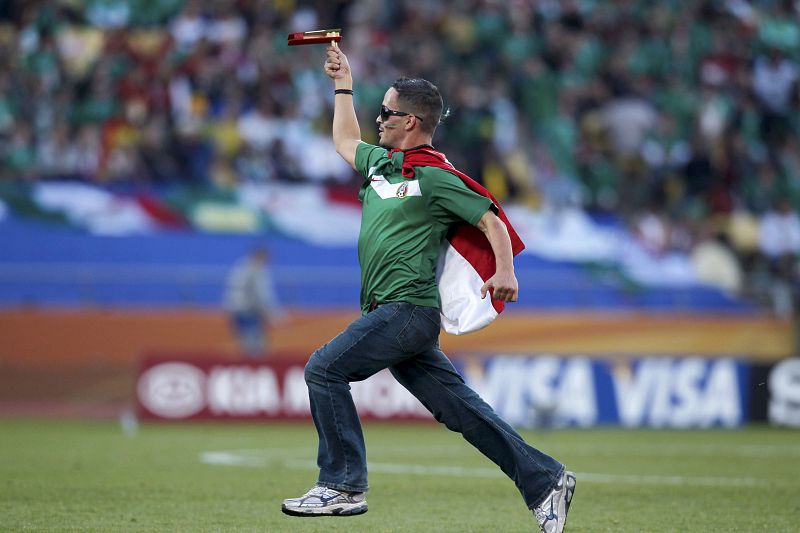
(415,141)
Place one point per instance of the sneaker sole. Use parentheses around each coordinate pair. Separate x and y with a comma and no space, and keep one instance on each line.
(336,511)
(570,493)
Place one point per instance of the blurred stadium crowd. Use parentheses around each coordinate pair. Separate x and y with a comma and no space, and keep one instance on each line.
(681,118)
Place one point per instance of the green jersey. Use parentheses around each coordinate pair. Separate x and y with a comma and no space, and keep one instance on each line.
(403,223)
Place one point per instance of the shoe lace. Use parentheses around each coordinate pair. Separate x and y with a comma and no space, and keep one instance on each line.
(540,515)
(544,511)
(316,491)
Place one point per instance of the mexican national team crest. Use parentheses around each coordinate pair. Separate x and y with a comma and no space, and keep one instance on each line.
(402,190)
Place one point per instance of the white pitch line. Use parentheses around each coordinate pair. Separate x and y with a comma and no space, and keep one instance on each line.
(234,458)
(753,451)
(696,481)
(417,470)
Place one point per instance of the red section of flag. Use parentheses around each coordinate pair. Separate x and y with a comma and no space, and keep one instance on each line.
(343,194)
(161,213)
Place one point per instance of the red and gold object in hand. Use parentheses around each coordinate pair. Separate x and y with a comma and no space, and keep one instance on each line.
(315,37)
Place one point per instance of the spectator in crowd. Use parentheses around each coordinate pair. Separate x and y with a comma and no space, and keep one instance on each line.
(779,241)
(779,232)
(716,264)
(775,84)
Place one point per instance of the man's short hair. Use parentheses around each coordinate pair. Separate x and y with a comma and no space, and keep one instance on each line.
(421,98)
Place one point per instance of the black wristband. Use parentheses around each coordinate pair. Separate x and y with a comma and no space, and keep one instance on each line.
(343,91)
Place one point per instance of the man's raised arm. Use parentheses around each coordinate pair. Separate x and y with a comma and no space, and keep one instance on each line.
(346,133)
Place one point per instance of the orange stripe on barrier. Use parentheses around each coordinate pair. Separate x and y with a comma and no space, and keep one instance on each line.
(122,336)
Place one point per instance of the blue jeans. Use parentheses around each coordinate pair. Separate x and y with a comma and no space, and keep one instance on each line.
(405,338)
(250,332)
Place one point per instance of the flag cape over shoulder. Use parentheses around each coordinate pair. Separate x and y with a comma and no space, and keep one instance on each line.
(466,259)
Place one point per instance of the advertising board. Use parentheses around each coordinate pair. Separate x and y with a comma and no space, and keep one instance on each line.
(526,390)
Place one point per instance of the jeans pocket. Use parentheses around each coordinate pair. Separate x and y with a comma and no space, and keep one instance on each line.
(420,332)
(433,314)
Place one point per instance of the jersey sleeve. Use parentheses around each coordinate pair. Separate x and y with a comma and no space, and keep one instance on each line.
(367,156)
(450,200)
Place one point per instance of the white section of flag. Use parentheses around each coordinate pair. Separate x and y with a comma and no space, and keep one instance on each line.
(305,212)
(463,310)
(100,211)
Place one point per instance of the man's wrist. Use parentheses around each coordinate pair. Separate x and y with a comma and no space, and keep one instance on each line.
(505,269)
(344,84)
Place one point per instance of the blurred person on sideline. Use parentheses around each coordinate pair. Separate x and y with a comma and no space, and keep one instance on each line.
(251,302)
(404,222)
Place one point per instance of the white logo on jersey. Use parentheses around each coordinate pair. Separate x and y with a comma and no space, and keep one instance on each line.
(388,190)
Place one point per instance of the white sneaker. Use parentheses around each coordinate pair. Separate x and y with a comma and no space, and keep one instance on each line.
(552,512)
(322,501)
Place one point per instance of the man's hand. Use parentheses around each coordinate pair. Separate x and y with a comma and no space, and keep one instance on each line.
(504,283)
(336,65)
(503,286)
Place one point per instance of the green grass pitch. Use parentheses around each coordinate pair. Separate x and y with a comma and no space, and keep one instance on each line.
(90,476)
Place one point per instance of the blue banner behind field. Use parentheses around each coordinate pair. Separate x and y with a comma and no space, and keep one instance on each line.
(653,392)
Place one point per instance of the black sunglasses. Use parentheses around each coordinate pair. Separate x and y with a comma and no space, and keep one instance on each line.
(386,113)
